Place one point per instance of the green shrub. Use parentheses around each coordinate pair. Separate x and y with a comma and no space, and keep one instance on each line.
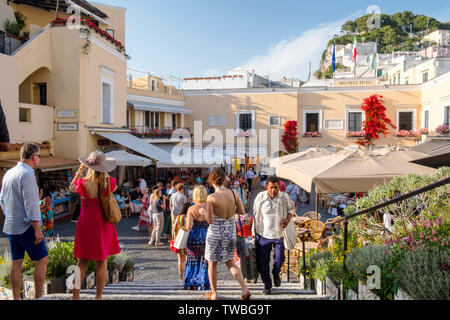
(370,228)
(424,274)
(129,265)
(359,260)
(60,257)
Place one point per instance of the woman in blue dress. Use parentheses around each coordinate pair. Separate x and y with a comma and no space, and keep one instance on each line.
(196,269)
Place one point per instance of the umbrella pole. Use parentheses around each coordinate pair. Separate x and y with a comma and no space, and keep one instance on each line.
(317,202)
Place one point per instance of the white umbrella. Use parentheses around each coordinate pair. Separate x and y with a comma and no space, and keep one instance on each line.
(124,158)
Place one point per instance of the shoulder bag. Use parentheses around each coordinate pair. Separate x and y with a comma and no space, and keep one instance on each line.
(109,205)
(241,248)
(290,232)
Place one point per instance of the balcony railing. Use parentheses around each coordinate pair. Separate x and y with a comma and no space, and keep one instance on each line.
(8,43)
(144,132)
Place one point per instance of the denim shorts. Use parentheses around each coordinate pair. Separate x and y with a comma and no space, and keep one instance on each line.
(25,242)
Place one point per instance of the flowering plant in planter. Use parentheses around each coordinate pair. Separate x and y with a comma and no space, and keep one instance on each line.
(290,137)
(444,129)
(407,134)
(245,134)
(356,134)
(376,120)
(424,131)
(314,134)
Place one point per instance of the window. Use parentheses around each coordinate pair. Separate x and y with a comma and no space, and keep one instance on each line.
(107,101)
(406,121)
(447,115)
(110,32)
(312,120)
(153,85)
(379,73)
(128,118)
(156,120)
(426,119)
(424,77)
(274,121)
(24,115)
(398,78)
(407,81)
(245,121)
(174,121)
(43,94)
(354,121)
(147,122)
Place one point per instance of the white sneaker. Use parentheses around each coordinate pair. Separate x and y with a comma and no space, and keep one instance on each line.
(135,228)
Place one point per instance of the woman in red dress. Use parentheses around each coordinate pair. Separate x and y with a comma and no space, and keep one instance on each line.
(95,237)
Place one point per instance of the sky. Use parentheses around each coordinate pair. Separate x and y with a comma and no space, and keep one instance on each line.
(193,38)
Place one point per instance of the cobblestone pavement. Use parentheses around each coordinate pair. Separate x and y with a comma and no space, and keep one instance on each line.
(152,263)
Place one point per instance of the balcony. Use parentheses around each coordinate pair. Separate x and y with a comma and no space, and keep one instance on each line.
(9,43)
(161,134)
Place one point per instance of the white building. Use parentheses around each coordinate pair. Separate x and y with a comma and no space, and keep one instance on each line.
(237,78)
(440,37)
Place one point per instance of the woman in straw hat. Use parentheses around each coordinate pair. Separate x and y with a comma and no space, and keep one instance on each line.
(95,237)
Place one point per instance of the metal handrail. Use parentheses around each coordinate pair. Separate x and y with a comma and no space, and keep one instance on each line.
(411,194)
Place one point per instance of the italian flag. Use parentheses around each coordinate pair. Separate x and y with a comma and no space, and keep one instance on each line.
(355,51)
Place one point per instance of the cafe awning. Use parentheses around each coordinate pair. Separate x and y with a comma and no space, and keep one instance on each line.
(124,158)
(138,145)
(46,164)
(147,106)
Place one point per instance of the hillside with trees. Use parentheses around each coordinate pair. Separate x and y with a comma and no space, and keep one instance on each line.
(402,31)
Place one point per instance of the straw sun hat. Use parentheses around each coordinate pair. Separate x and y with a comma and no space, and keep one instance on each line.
(98,161)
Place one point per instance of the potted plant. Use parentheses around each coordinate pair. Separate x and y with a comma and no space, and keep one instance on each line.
(356,134)
(313,134)
(60,259)
(127,272)
(406,134)
(113,270)
(443,130)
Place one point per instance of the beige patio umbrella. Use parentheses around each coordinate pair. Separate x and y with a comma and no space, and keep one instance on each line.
(351,171)
(307,154)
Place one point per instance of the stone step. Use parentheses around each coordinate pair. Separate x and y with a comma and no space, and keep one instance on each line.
(174,290)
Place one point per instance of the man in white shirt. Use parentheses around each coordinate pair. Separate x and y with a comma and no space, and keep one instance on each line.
(272,213)
(249,175)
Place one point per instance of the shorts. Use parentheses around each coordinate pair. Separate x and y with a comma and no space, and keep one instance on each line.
(25,242)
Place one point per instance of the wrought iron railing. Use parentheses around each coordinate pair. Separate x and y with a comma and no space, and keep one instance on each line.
(345,220)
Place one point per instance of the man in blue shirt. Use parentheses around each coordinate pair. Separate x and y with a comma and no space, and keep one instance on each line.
(19,199)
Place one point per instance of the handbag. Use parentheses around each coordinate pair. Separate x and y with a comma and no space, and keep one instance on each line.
(109,205)
(181,239)
(172,248)
(290,232)
(241,247)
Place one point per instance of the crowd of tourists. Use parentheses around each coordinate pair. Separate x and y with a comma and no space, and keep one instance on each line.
(213,209)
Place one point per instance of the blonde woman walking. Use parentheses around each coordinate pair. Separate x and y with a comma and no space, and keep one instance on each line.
(95,237)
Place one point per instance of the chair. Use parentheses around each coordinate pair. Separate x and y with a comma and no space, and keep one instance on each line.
(313,215)
(316,228)
(331,224)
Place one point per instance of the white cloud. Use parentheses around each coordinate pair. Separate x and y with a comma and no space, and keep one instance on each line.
(291,58)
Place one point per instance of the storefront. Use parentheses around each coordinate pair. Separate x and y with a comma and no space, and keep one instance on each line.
(55,174)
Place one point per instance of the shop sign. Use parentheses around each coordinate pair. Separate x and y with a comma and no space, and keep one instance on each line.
(67,114)
(355,83)
(67,126)
(218,121)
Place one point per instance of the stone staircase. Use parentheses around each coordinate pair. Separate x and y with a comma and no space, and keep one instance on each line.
(173,290)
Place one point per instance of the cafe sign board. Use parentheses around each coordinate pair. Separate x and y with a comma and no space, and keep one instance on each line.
(67,114)
(356,83)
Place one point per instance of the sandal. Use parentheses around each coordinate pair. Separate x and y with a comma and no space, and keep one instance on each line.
(208,296)
(247,296)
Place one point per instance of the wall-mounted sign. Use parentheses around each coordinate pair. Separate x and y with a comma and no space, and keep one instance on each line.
(218,121)
(355,83)
(67,114)
(67,126)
